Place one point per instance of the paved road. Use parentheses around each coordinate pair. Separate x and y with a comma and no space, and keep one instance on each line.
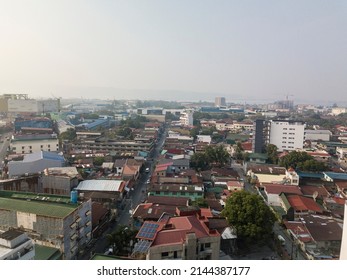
(135,196)
(290,246)
(4,146)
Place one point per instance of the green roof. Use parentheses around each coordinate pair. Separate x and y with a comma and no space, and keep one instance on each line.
(47,253)
(258,156)
(49,209)
(237,137)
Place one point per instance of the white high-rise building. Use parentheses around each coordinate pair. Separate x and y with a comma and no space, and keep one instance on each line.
(287,135)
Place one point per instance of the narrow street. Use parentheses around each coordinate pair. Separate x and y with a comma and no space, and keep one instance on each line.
(136,196)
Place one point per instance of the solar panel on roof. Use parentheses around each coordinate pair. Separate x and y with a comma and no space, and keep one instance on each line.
(142,246)
(148,231)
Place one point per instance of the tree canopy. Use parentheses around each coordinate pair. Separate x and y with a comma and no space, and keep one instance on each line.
(271,151)
(302,161)
(212,156)
(121,239)
(251,217)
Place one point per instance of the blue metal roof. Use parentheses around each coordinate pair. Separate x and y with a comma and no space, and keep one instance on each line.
(310,175)
(43,155)
(336,176)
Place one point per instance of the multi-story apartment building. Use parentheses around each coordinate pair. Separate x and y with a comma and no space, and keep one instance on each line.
(27,144)
(287,135)
(52,221)
(186,118)
(115,146)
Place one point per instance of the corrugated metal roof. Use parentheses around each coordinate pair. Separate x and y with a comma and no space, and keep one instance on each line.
(100,185)
(38,208)
(43,155)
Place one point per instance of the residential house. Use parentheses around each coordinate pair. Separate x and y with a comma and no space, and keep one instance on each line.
(266,173)
(167,200)
(318,236)
(273,192)
(186,237)
(292,177)
(297,206)
(342,188)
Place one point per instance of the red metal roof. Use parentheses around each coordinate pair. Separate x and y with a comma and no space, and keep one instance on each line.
(179,228)
(279,188)
(302,203)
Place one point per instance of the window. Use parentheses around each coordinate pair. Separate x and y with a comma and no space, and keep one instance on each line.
(48,146)
(23,147)
(207,245)
(157,192)
(164,254)
(183,193)
(41,146)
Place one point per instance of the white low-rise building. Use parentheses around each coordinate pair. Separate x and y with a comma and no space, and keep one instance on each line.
(315,135)
(16,245)
(28,144)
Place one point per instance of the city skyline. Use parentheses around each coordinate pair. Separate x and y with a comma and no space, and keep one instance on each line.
(176,50)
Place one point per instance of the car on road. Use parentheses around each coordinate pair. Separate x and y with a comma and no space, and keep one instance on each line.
(147,170)
(148,181)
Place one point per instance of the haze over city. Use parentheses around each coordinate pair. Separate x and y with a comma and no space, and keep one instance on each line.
(247,51)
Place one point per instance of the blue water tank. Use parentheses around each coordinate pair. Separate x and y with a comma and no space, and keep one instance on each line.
(73,196)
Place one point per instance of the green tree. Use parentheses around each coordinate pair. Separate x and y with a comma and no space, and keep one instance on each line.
(212,156)
(98,161)
(69,134)
(238,154)
(312,165)
(217,156)
(302,161)
(251,217)
(199,162)
(120,240)
(271,151)
(293,158)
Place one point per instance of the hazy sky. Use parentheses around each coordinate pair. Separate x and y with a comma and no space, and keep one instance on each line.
(175,49)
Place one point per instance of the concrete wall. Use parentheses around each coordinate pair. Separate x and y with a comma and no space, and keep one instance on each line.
(34,146)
